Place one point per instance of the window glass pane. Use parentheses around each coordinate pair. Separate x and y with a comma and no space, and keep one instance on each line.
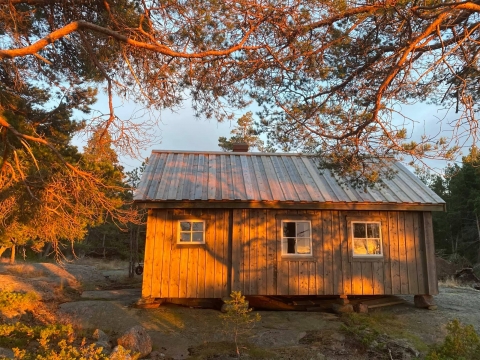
(374,246)
(373,230)
(359,230)
(303,246)
(289,229)
(197,236)
(303,229)
(290,246)
(198,226)
(360,246)
(185,225)
(185,236)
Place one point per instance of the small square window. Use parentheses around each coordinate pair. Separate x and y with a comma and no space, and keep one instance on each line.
(191,232)
(296,238)
(367,239)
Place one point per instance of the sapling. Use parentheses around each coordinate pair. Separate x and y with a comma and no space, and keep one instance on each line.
(238,318)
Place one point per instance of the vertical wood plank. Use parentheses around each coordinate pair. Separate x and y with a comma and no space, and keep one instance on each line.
(402,253)
(174,274)
(357,282)
(317,247)
(387,275)
(394,255)
(327,252)
(237,249)
(246,252)
(337,268)
(378,268)
(159,289)
(419,253)
(254,244)
(430,253)
(367,278)
(271,253)
(167,240)
(201,273)
(192,272)
(226,263)
(312,278)
(210,255)
(149,254)
(411,254)
(293,278)
(378,278)
(282,264)
(183,271)
(345,248)
(303,274)
(219,261)
(262,253)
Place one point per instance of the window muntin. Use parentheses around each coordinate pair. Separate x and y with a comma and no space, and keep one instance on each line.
(191,232)
(367,238)
(296,237)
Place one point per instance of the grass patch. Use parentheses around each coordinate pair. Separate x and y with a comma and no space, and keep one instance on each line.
(369,328)
(24,271)
(451,282)
(227,349)
(101,264)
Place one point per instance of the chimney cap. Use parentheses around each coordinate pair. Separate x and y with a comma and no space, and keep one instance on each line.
(240,147)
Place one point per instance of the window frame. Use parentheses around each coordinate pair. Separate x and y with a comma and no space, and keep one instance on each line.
(284,252)
(351,238)
(179,231)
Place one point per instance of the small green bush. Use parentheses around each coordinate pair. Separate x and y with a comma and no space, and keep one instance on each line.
(461,343)
(16,301)
(49,342)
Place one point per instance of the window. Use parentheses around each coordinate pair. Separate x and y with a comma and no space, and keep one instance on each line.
(191,232)
(296,238)
(366,238)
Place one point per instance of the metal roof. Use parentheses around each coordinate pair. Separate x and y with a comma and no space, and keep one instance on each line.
(220,176)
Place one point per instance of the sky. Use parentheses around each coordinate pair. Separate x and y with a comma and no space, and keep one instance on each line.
(180,130)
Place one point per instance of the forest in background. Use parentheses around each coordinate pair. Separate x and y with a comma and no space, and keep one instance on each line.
(457,230)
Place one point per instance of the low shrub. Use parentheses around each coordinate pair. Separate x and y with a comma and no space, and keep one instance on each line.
(17,302)
(461,343)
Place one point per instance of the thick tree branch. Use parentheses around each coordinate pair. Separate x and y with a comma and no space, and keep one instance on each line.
(162,49)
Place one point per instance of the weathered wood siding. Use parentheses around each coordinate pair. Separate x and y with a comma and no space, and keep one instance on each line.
(259,269)
(255,266)
(186,271)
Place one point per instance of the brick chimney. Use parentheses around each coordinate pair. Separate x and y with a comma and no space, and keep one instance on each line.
(240,147)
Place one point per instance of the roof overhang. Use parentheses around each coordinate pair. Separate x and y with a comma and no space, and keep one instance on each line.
(202,204)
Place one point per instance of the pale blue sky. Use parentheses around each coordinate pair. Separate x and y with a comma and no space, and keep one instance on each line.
(180,130)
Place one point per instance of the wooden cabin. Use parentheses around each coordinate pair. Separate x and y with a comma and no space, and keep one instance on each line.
(274,224)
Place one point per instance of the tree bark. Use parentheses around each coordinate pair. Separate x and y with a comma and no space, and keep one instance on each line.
(2,250)
(12,255)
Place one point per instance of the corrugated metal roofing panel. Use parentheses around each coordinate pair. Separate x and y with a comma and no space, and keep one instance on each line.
(207,176)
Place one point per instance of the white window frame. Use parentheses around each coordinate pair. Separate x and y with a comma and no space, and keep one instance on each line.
(285,250)
(352,234)
(191,242)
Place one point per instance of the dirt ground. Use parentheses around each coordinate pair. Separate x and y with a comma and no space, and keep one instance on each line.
(100,295)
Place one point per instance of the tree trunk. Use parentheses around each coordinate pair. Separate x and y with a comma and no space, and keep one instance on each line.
(12,255)
(2,250)
(478,232)
(46,252)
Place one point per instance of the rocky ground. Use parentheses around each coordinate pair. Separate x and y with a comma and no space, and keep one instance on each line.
(95,296)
